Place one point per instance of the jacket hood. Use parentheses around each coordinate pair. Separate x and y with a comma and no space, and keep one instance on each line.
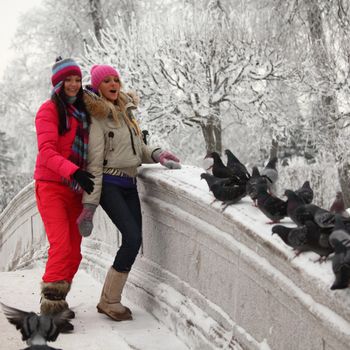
(100,109)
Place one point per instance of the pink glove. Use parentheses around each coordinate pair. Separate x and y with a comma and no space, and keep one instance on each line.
(169,160)
(84,220)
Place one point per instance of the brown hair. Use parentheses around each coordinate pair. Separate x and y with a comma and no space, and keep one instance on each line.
(60,100)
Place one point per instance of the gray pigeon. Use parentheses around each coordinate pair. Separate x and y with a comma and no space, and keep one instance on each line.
(253,182)
(300,212)
(293,203)
(36,329)
(305,192)
(271,173)
(340,240)
(219,169)
(308,237)
(274,208)
(238,168)
(226,190)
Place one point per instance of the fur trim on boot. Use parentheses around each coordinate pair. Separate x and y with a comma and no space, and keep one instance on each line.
(53,298)
(110,301)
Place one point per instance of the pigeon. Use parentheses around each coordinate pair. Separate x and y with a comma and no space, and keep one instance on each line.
(305,192)
(219,169)
(36,329)
(338,206)
(270,171)
(274,208)
(282,232)
(323,217)
(225,190)
(340,240)
(214,181)
(299,212)
(293,202)
(144,136)
(255,180)
(308,237)
(238,168)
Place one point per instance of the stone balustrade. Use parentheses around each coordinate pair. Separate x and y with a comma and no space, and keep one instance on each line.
(219,280)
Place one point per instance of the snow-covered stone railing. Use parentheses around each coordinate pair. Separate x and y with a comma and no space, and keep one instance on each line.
(216,279)
(22,236)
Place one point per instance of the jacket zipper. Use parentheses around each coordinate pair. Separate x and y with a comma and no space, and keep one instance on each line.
(132,141)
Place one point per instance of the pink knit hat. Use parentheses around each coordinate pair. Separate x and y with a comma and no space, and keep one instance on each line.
(99,72)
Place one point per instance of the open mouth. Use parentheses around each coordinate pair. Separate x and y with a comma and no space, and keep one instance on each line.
(113,91)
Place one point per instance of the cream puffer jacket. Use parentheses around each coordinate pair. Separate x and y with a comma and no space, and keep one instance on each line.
(113,149)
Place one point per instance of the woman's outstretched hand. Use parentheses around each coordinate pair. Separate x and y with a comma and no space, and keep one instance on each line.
(169,160)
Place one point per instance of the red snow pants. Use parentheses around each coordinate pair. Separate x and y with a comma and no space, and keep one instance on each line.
(59,207)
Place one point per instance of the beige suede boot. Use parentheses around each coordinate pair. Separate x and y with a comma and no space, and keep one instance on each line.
(110,301)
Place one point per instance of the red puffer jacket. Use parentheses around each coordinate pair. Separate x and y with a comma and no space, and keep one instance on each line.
(52,161)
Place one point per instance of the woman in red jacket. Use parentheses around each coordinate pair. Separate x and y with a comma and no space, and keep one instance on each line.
(60,178)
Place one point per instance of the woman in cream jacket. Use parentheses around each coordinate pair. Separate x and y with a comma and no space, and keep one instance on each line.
(116,150)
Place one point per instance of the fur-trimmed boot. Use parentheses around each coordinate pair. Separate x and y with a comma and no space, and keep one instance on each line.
(53,299)
(110,301)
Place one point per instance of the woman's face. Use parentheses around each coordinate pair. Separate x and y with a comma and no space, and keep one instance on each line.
(72,85)
(110,87)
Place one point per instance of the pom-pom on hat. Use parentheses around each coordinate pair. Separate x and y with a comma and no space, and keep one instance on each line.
(62,69)
(99,72)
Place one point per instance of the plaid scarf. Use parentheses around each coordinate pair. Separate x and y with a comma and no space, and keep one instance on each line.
(80,143)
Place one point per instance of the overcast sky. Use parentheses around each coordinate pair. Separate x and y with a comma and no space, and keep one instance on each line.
(10,11)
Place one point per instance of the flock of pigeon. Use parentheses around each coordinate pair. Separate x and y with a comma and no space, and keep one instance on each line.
(322,231)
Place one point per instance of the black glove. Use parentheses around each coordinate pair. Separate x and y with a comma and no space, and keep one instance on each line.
(83,179)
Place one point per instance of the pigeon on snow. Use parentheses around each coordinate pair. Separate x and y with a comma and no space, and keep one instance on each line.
(340,240)
(226,190)
(238,168)
(299,212)
(271,173)
(219,169)
(293,202)
(308,237)
(254,181)
(305,192)
(274,208)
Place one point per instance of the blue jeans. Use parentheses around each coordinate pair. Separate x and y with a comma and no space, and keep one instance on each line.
(122,205)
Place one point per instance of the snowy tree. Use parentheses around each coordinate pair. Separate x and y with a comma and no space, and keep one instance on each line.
(56,29)
(190,71)
(259,76)
(323,33)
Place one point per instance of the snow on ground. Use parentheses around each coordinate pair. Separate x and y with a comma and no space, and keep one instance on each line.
(93,331)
